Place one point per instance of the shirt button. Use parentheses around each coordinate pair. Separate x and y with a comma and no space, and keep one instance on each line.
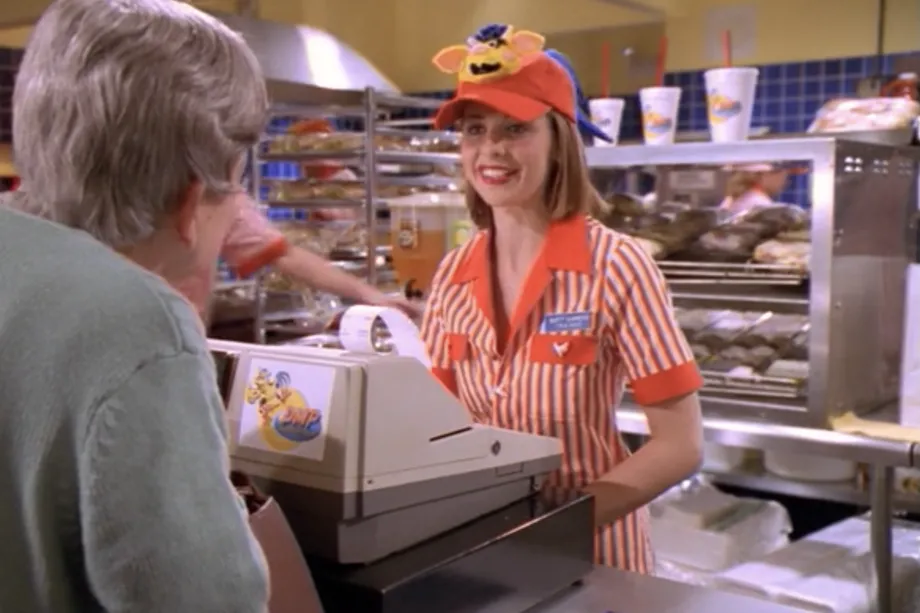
(499,391)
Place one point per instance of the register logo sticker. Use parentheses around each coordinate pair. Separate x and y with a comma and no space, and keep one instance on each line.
(286,409)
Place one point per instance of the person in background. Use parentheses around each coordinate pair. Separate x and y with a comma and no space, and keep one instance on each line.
(114,461)
(538,321)
(752,186)
(253,243)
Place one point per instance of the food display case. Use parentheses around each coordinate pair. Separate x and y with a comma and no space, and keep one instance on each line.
(795,317)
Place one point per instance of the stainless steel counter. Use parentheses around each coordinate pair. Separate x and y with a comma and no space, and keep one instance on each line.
(614,591)
(882,455)
(761,434)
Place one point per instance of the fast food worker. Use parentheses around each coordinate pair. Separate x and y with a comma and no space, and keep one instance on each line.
(538,321)
(253,244)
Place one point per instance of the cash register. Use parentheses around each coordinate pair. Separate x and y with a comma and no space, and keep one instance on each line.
(390,488)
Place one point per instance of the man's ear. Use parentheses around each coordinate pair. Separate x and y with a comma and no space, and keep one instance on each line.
(186,214)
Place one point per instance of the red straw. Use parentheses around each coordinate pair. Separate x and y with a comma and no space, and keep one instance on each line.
(727,48)
(605,70)
(662,61)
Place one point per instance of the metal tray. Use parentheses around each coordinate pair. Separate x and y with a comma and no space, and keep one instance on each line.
(686,273)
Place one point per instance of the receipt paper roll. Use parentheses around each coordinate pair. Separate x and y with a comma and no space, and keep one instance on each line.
(356,332)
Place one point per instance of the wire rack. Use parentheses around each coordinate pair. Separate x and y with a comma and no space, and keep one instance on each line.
(708,273)
(380,167)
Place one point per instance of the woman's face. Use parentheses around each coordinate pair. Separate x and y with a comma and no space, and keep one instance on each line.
(505,160)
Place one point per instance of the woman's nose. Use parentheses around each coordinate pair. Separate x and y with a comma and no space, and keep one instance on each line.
(495,142)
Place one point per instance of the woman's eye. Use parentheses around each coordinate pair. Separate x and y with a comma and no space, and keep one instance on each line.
(473,130)
(517,128)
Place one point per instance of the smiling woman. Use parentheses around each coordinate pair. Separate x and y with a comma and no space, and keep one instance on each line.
(538,321)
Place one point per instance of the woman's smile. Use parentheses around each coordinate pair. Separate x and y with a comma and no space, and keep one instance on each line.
(495,176)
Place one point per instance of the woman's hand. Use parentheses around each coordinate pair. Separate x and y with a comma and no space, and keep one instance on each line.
(375,297)
(609,499)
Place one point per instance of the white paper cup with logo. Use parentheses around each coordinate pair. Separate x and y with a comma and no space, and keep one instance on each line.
(607,114)
(730,102)
(659,114)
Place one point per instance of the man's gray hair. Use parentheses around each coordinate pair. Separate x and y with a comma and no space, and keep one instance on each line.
(120,105)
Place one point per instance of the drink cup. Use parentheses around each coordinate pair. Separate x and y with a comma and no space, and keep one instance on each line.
(607,114)
(730,102)
(659,114)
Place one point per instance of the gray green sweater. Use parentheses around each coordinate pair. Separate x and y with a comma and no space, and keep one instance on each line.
(114,489)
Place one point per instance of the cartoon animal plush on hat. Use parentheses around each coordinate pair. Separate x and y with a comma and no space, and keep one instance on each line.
(495,51)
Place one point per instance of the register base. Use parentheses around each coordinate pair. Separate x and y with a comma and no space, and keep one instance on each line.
(506,562)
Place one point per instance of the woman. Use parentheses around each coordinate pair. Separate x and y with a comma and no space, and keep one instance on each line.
(539,319)
(752,186)
(114,462)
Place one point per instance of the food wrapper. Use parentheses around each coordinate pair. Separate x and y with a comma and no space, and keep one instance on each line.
(865,114)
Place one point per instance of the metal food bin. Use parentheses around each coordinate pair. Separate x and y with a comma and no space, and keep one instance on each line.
(864,199)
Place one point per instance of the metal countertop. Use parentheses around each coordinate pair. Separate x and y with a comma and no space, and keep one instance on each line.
(608,590)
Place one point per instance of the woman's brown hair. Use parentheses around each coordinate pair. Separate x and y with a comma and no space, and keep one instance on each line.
(568,187)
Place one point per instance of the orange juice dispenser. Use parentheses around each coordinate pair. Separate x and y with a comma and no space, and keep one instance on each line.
(423,228)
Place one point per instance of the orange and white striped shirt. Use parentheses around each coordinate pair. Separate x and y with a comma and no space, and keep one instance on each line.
(594,313)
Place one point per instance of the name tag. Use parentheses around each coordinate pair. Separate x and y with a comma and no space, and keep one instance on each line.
(566,322)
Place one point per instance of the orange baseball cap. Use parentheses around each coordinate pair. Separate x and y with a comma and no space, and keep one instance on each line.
(508,71)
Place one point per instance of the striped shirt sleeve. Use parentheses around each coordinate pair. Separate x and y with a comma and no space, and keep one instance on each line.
(433,332)
(654,351)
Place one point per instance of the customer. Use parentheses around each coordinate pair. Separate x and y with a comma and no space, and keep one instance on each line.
(538,321)
(130,122)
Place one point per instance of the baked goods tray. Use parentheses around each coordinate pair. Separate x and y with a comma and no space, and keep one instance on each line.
(750,273)
(750,384)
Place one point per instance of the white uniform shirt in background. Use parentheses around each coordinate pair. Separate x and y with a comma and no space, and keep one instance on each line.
(750,199)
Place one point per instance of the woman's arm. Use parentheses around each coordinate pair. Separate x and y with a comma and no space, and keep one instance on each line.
(162,527)
(673,452)
(664,379)
(253,243)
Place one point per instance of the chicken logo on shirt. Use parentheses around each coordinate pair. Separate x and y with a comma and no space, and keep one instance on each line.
(493,52)
(285,418)
(721,107)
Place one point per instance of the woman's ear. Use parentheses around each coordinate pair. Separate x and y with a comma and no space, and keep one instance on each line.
(186,214)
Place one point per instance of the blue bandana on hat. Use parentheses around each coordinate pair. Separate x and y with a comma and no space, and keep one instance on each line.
(585,127)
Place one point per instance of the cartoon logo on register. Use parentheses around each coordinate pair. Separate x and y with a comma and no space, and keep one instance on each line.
(722,108)
(655,123)
(285,419)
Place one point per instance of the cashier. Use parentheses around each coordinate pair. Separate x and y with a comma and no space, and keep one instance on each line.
(752,186)
(253,244)
(540,319)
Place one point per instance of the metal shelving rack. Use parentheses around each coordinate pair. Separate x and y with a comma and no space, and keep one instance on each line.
(373,109)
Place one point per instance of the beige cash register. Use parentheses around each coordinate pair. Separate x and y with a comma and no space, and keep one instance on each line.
(368,454)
